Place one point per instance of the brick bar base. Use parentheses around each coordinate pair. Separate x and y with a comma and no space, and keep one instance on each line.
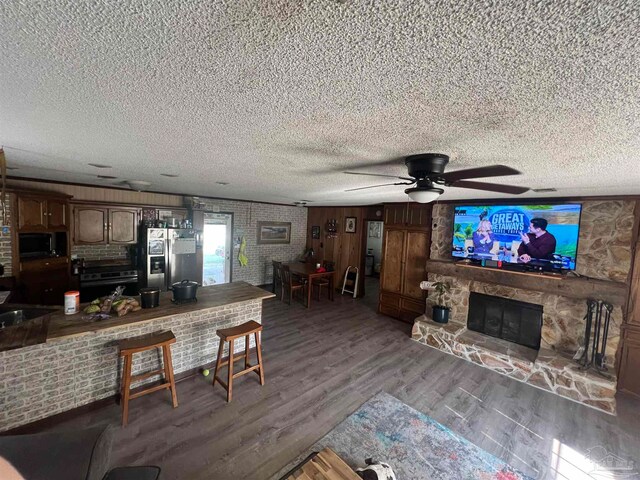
(43,380)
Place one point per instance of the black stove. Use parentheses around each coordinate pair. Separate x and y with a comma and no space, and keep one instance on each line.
(100,280)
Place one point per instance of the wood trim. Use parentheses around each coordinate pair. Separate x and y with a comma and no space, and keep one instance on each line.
(633,271)
(38,193)
(572,287)
(156,192)
(138,206)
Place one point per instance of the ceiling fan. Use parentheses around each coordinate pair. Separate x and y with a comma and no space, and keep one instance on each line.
(426,171)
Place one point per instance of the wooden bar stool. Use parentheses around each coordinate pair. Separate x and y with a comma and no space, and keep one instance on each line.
(130,346)
(230,335)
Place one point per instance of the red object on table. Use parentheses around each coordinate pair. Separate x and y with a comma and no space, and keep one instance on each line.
(321,269)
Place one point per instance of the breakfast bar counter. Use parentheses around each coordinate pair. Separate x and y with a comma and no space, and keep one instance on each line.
(79,362)
(224,295)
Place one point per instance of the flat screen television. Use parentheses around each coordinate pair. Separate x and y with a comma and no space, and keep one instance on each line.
(538,237)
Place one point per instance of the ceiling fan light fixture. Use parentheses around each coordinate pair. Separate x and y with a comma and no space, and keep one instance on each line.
(424,194)
(138,185)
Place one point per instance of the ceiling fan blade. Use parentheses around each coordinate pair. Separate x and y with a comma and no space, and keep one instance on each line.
(379,175)
(480,172)
(376,186)
(490,187)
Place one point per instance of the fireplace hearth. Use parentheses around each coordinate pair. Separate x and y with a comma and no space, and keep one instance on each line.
(505,318)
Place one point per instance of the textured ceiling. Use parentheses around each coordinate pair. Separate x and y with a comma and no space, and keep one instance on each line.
(278,97)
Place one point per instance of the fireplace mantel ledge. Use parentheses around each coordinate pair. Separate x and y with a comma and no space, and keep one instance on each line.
(572,287)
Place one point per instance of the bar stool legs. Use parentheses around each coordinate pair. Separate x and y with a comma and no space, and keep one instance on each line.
(168,373)
(230,363)
(131,346)
(259,353)
(230,335)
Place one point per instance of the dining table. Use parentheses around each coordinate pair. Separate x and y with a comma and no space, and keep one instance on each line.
(309,272)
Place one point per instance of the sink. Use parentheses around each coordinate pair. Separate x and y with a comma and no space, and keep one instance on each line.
(23,325)
(14,316)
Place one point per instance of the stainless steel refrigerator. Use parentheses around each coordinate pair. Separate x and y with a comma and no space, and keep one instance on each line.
(171,255)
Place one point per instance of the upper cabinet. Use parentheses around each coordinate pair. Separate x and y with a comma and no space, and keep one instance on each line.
(96,225)
(123,225)
(90,225)
(411,215)
(57,213)
(38,213)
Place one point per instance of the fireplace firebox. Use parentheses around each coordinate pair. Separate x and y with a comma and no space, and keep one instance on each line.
(512,320)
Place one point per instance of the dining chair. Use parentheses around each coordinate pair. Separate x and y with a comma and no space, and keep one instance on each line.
(318,283)
(291,285)
(277,278)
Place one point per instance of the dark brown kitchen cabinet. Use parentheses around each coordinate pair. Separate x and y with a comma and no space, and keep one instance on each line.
(57,214)
(96,225)
(405,251)
(31,213)
(40,213)
(46,286)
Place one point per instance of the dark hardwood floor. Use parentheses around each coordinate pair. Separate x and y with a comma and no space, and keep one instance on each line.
(321,364)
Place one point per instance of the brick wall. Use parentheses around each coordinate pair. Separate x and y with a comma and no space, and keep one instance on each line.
(100,252)
(246,216)
(42,380)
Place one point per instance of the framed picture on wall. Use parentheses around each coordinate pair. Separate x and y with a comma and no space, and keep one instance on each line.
(350,225)
(375,230)
(315,232)
(273,233)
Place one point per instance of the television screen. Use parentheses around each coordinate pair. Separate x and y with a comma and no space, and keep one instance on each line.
(538,236)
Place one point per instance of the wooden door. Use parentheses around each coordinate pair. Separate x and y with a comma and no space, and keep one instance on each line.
(415,260)
(628,379)
(123,225)
(90,225)
(392,260)
(395,214)
(31,214)
(57,214)
(418,215)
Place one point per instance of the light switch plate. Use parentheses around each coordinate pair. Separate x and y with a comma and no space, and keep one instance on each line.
(426,285)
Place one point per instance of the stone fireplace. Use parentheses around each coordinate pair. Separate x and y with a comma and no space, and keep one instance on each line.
(604,257)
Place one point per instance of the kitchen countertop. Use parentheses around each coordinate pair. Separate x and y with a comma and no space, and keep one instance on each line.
(61,325)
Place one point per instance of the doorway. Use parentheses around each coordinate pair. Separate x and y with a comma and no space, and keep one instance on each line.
(373,258)
(373,261)
(217,248)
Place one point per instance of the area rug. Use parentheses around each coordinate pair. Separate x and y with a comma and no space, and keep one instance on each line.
(415,445)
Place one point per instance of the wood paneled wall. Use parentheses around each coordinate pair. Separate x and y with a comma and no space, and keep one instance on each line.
(346,248)
(629,354)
